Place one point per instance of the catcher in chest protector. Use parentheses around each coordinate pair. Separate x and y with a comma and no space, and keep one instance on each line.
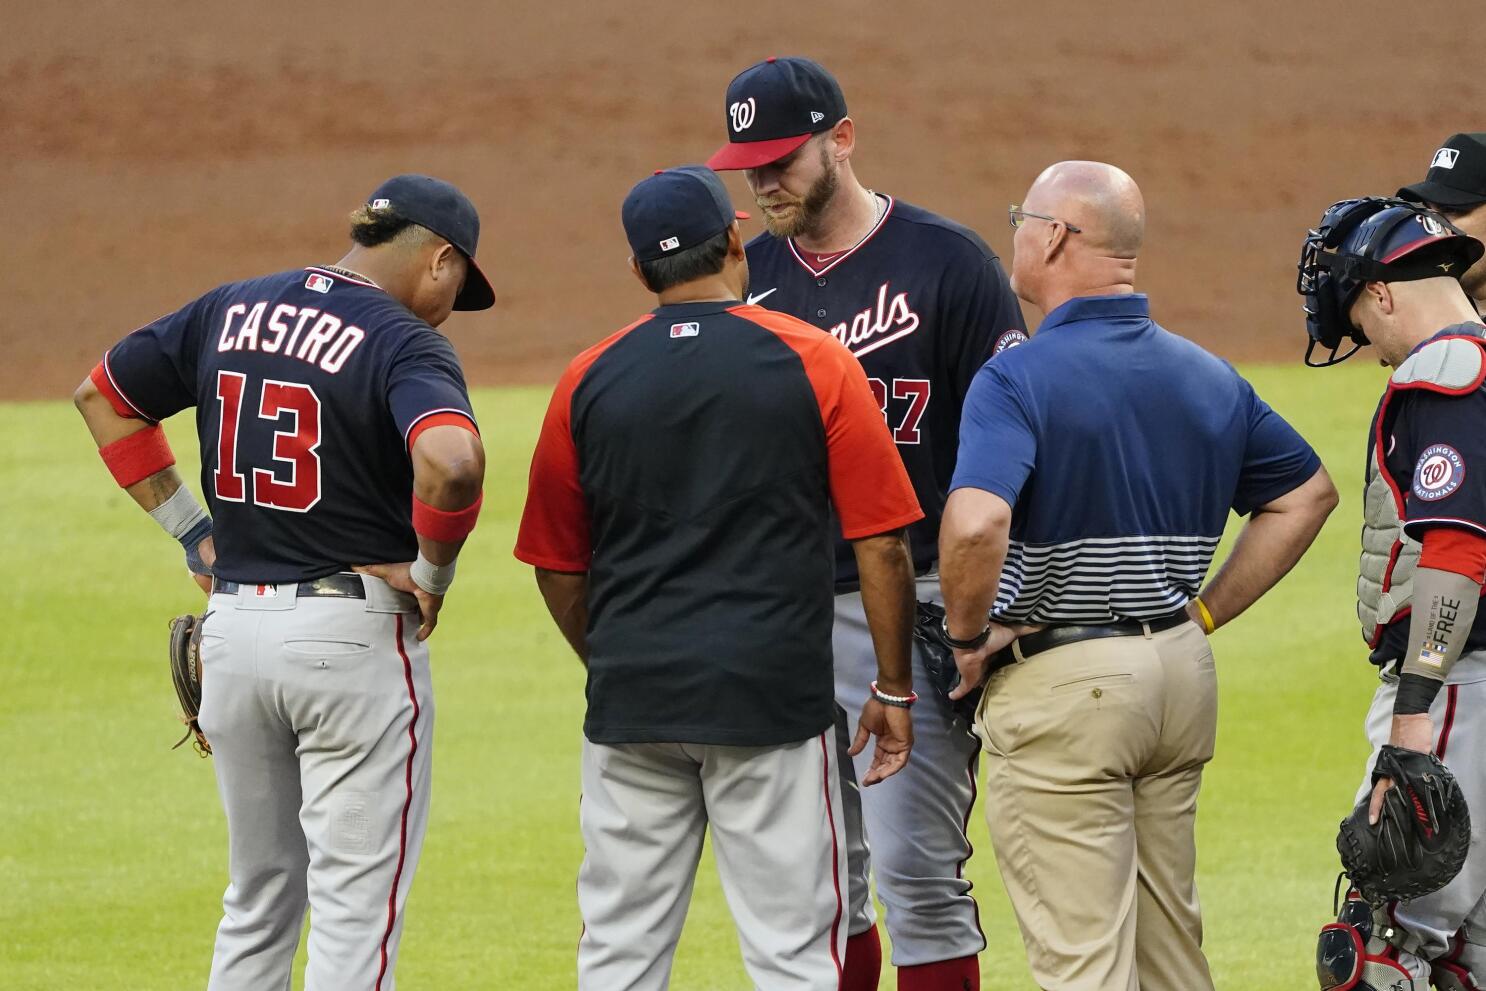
(1385,272)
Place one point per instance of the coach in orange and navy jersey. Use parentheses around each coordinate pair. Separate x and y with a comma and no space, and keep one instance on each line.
(679,518)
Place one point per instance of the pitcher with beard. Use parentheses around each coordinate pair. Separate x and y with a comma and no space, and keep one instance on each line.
(922,303)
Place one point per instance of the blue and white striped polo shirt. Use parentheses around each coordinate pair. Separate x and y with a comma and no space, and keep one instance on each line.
(1121,448)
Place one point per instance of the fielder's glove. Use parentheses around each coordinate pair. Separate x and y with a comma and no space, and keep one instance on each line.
(185,673)
(1422,835)
(939,661)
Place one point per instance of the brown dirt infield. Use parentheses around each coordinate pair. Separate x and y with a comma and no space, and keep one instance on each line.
(151,150)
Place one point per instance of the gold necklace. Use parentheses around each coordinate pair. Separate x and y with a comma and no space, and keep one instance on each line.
(348,273)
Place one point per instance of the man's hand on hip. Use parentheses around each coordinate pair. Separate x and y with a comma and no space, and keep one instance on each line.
(973,663)
(398,576)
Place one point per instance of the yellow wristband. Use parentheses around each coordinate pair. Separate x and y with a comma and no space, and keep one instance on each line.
(1207,618)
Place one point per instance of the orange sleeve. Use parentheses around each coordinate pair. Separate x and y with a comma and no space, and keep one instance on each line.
(1462,552)
(869,485)
(555,526)
(554,531)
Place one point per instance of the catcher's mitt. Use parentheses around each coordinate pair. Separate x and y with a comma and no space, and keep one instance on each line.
(1422,835)
(939,660)
(185,673)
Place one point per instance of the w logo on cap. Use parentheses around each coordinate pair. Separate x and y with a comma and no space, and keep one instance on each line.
(742,112)
(1445,158)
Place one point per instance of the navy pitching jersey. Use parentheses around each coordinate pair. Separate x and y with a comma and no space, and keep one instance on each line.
(1436,461)
(309,388)
(922,303)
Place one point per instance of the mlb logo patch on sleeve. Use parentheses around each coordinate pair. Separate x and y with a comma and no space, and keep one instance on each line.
(317,282)
(685,329)
(1439,472)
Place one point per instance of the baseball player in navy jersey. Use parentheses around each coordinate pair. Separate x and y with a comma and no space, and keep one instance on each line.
(922,303)
(1389,273)
(342,468)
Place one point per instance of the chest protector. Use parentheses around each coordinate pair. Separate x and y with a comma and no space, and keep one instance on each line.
(1452,366)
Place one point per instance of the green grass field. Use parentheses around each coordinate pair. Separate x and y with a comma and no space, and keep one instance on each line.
(113,848)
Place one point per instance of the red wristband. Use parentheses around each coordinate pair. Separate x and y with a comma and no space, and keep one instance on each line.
(136,457)
(445,525)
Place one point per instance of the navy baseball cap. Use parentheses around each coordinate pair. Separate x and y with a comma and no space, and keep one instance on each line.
(1457,174)
(676,209)
(438,206)
(773,108)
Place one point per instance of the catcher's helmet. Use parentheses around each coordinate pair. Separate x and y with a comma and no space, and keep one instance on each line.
(1372,239)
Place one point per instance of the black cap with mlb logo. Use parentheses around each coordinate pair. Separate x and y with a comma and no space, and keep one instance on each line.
(1457,174)
(773,108)
(676,209)
(440,207)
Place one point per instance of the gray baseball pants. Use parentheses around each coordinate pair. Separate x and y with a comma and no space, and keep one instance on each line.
(775,816)
(1457,714)
(908,831)
(320,716)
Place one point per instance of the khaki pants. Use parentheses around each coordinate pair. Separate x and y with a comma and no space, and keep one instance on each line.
(1094,756)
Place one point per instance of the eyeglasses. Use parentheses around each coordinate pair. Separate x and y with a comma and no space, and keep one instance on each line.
(1018,216)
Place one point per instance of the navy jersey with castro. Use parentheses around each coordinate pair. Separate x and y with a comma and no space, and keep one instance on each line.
(309,388)
(922,302)
(1436,465)
(1121,448)
(689,464)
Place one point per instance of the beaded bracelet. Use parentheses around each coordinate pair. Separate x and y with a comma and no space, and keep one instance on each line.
(897,701)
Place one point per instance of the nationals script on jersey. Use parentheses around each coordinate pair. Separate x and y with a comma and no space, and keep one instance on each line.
(922,302)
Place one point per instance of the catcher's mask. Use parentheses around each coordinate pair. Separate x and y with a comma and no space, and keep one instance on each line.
(1373,239)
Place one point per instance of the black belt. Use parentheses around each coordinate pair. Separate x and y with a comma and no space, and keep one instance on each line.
(341,586)
(1061,636)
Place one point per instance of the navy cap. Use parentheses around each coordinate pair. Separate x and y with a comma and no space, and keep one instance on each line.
(676,209)
(1457,174)
(438,206)
(773,108)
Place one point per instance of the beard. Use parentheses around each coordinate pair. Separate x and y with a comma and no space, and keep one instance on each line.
(804,218)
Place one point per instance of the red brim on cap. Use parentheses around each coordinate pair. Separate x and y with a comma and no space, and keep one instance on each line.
(753,154)
(1405,250)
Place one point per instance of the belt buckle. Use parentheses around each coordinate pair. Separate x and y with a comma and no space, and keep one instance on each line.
(338,586)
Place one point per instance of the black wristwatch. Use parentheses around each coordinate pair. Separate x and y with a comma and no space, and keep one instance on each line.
(974,643)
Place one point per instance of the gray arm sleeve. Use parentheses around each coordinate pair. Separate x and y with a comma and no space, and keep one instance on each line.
(1444,612)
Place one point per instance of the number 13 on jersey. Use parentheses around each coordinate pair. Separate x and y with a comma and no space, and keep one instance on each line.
(293,482)
(916,391)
